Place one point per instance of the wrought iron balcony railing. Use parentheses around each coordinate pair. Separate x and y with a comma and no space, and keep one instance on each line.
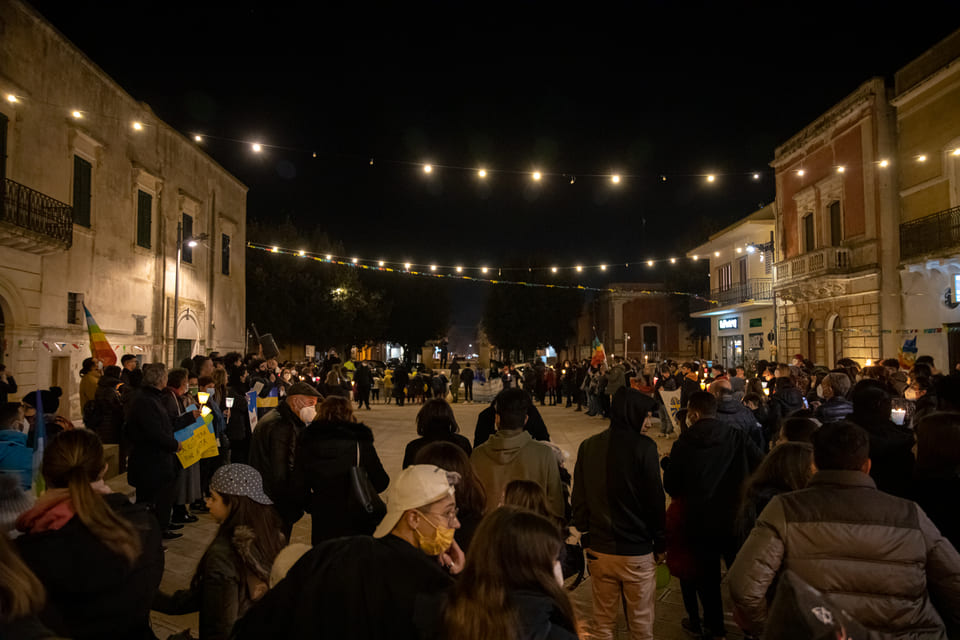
(937,232)
(753,290)
(43,218)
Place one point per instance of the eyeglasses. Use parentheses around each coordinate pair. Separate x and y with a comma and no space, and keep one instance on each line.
(450,515)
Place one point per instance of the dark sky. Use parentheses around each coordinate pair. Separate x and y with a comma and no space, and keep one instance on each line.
(660,88)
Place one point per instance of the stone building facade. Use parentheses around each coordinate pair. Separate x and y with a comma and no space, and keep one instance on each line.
(94,186)
(740,259)
(927,105)
(835,277)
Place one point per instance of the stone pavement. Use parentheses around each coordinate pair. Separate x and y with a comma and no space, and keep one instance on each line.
(393,427)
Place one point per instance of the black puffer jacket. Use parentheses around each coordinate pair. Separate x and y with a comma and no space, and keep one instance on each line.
(153,461)
(781,404)
(735,413)
(108,410)
(836,408)
(321,481)
(891,454)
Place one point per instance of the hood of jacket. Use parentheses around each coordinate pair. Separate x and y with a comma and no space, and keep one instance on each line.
(11,438)
(503,447)
(728,405)
(630,408)
(790,397)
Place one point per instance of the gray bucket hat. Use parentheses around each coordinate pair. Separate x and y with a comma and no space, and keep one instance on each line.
(239,480)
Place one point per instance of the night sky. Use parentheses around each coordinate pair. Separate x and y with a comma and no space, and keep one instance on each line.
(662,88)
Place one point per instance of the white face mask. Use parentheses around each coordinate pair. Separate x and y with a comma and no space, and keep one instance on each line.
(820,391)
(307,414)
(911,394)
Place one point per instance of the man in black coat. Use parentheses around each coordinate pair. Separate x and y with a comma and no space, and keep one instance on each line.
(273,449)
(891,445)
(363,378)
(735,413)
(466,377)
(688,382)
(707,468)
(619,505)
(153,467)
(486,424)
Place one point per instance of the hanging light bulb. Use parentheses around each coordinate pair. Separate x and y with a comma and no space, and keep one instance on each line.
(137,126)
(301,253)
(380,263)
(615,179)
(257,147)
(459,269)
(12,99)
(884,163)
(711,178)
(536,175)
(482,173)
(603,267)
(483,269)
(579,268)
(329,257)
(433,267)
(756,176)
(841,169)
(553,269)
(649,263)
(354,261)
(695,258)
(800,172)
(673,261)
(427,168)
(77,115)
(573,179)
(716,254)
(406,266)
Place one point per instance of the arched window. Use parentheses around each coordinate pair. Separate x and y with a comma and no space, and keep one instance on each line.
(834,340)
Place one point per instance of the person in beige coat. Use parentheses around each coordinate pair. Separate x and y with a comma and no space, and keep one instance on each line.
(878,557)
(512,454)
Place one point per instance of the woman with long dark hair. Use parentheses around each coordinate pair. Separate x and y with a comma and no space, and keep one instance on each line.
(435,422)
(238,423)
(98,556)
(471,499)
(235,570)
(326,450)
(788,467)
(511,586)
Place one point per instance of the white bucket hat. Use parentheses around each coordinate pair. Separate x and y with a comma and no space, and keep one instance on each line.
(416,486)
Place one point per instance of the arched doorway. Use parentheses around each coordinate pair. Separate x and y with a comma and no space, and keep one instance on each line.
(808,343)
(188,336)
(834,339)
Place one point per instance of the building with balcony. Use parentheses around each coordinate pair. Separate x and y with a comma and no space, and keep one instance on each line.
(95,187)
(927,106)
(836,232)
(741,315)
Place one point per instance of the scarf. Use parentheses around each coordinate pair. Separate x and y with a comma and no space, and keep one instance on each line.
(53,510)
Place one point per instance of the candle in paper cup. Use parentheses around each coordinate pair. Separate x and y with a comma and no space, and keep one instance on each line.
(229,403)
(897,415)
(202,397)
(205,410)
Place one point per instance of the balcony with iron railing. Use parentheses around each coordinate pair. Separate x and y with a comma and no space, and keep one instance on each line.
(753,291)
(930,235)
(819,262)
(34,222)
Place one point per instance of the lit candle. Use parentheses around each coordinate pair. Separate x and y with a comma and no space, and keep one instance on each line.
(766,391)
(205,410)
(897,415)
(229,403)
(703,385)
(202,397)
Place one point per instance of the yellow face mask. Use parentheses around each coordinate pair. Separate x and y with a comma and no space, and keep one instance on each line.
(441,540)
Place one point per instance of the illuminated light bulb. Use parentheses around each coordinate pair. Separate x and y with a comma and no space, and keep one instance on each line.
(329,257)
(314,154)
(537,175)
(663,178)
(673,261)
(956,152)
(869,362)
(603,267)
(197,139)
(716,254)
(433,267)
(579,268)
(800,172)
(695,258)
(427,168)
(756,176)
(406,266)
(573,179)
(884,163)
(739,250)
(12,99)
(257,147)
(615,179)
(483,269)
(751,248)
(76,114)
(711,178)
(921,158)
(482,173)
(274,250)
(761,257)
(354,261)
(649,263)
(137,126)
(553,269)
(301,253)
(841,169)
(380,263)
(459,269)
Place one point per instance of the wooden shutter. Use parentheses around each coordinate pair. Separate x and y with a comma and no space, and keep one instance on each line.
(144,219)
(82,174)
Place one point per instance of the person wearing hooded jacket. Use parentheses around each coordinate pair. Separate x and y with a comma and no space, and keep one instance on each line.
(891,445)
(107,409)
(512,454)
(320,481)
(784,400)
(619,505)
(735,413)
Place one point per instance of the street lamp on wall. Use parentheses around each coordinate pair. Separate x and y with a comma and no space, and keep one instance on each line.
(192,241)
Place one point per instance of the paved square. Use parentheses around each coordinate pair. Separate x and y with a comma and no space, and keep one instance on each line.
(393,428)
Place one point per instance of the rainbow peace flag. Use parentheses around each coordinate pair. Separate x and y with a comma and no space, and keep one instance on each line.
(599,355)
(100,349)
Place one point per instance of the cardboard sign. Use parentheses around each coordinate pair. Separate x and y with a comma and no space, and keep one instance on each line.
(197,441)
(252,408)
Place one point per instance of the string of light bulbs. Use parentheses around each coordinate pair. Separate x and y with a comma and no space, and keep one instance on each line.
(453,273)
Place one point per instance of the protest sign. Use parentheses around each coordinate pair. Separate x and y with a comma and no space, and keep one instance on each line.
(197,441)
(671,400)
(252,408)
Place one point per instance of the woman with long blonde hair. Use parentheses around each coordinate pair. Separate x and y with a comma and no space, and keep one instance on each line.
(98,556)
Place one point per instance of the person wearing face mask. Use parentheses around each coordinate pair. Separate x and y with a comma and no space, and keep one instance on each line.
(274,444)
(326,451)
(398,574)
(834,389)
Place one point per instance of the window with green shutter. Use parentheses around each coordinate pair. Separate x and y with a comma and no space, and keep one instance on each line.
(144,219)
(187,230)
(82,183)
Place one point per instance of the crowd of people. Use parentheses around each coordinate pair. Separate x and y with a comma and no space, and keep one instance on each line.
(835,486)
